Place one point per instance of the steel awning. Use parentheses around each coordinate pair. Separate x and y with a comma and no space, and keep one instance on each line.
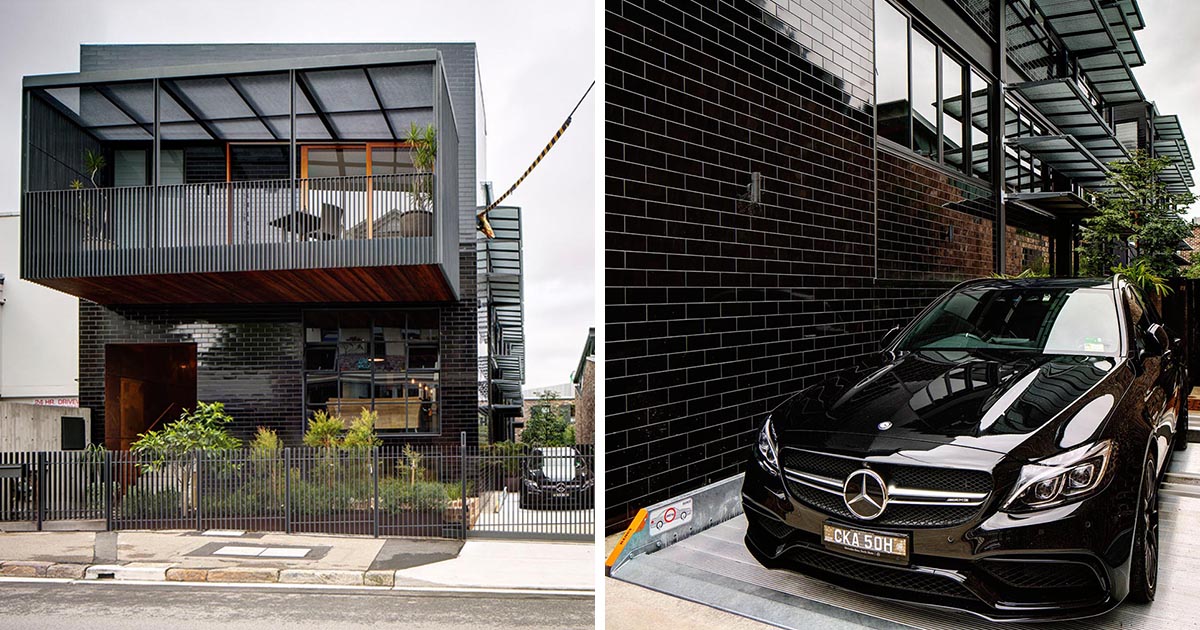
(1102,40)
(1065,154)
(1062,102)
(501,286)
(1170,142)
(1059,205)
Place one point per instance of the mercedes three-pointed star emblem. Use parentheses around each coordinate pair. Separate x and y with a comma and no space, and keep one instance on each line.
(865,494)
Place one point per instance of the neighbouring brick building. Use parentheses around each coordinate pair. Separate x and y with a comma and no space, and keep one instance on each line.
(584,380)
(262,233)
(787,180)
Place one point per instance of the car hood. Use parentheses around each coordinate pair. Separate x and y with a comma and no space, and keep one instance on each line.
(987,400)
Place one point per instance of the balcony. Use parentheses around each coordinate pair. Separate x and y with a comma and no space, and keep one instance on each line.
(252,182)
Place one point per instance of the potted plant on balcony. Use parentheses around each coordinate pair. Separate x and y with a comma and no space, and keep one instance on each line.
(418,221)
(92,205)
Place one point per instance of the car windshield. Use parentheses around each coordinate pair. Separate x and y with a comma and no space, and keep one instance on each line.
(557,465)
(1053,320)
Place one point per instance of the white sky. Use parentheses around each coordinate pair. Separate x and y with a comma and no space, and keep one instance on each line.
(1172,54)
(536,58)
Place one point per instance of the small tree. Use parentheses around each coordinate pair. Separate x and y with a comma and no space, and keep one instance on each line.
(1137,209)
(547,425)
(201,429)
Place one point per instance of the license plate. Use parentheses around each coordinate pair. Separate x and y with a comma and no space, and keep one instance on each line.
(859,542)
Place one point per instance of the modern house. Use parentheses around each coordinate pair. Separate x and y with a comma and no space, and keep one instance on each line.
(786,181)
(285,228)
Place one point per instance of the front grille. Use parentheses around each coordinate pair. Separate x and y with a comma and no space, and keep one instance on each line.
(895,515)
(878,575)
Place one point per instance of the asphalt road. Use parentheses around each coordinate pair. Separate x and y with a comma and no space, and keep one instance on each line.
(62,606)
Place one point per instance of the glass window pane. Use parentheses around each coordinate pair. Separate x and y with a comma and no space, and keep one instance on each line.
(891,73)
(356,393)
(320,358)
(952,96)
(320,327)
(319,390)
(397,416)
(423,325)
(252,162)
(322,162)
(391,160)
(170,167)
(980,91)
(129,168)
(924,96)
(422,357)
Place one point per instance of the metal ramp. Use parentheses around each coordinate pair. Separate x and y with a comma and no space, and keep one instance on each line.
(705,561)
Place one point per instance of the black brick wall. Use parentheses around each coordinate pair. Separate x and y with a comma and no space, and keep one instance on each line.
(717,309)
(248,329)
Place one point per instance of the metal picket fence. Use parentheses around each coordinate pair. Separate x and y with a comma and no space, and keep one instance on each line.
(416,491)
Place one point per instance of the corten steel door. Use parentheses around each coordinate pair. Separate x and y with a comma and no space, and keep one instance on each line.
(145,386)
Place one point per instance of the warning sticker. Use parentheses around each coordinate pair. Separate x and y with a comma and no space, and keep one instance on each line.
(671,516)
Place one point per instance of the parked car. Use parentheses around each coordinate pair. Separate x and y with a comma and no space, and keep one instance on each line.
(557,477)
(1000,455)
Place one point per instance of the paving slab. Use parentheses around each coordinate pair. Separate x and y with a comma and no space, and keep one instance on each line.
(54,547)
(511,564)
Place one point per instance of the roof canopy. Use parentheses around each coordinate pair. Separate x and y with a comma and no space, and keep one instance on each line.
(336,97)
(1062,103)
(1102,39)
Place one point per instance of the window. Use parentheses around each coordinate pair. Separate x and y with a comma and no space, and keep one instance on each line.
(920,91)
(980,120)
(952,127)
(924,96)
(385,361)
(891,73)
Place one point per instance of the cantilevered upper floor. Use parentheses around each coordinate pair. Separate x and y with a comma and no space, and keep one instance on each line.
(331,178)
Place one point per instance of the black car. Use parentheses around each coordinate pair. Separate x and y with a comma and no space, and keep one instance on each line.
(557,477)
(1001,455)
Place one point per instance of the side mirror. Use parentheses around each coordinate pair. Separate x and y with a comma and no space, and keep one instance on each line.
(1152,345)
(889,337)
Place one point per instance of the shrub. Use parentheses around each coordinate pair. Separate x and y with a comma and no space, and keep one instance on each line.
(361,434)
(140,503)
(266,442)
(396,496)
(315,498)
(324,431)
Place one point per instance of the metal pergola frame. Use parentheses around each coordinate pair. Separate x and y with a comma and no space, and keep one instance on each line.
(167,78)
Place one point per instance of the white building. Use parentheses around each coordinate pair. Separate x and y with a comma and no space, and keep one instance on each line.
(39,332)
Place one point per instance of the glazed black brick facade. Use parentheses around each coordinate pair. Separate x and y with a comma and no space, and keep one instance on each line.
(251,359)
(718,308)
(250,356)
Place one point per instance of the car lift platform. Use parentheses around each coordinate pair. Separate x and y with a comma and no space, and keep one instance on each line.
(692,547)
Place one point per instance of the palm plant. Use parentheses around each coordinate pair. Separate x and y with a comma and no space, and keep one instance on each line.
(423,152)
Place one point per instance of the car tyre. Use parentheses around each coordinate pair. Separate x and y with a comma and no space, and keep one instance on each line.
(526,503)
(1143,581)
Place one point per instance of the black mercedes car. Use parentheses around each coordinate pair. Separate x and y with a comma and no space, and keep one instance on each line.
(557,478)
(1000,455)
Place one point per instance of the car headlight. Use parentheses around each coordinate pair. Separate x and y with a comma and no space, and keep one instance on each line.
(588,482)
(1061,479)
(767,449)
(532,485)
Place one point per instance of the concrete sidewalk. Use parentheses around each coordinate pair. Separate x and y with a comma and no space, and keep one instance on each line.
(248,557)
